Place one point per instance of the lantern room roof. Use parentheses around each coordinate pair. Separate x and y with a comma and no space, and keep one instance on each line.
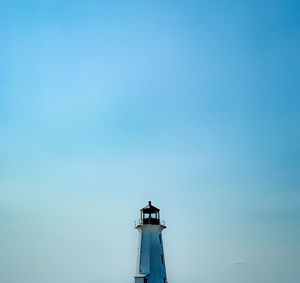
(150,208)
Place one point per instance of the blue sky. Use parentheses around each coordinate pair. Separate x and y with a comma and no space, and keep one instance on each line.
(105,105)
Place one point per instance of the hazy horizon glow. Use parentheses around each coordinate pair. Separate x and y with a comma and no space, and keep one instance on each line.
(108,104)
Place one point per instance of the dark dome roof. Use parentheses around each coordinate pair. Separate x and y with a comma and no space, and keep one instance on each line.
(150,208)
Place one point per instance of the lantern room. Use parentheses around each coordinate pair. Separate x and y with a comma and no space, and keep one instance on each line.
(150,214)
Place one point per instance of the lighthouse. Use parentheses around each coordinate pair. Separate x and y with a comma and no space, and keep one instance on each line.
(151,260)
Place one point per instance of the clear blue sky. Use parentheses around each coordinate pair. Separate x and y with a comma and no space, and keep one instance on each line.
(105,105)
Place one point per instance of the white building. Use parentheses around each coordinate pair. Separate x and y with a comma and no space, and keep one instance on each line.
(150,262)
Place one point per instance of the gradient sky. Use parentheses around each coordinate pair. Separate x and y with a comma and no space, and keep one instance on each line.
(105,105)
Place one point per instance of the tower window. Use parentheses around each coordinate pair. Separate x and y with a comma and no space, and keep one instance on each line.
(160,239)
(162,259)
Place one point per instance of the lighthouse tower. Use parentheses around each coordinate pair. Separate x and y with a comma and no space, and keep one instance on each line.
(150,262)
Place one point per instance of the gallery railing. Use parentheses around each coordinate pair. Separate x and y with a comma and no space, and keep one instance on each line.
(152,221)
